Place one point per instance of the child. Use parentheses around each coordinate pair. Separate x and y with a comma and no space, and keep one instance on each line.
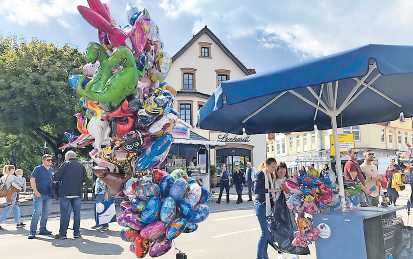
(9,180)
(20,184)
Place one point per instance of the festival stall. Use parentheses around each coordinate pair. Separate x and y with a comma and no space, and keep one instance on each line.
(127,118)
(369,84)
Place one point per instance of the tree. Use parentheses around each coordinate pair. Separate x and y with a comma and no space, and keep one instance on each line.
(34,96)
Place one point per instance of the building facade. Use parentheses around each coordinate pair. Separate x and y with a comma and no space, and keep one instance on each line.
(196,71)
(385,139)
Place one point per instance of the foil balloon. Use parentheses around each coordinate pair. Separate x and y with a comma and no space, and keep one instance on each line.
(158,174)
(73,81)
(133,141)
(153,231)
(137,205)
(151,211)
(130,188)
(89,70)
(130,220)
(193,195)
(144,121)
(166,184)
(100,131)
(146,190)
(155,154)
(160,247)
(168,210)
(204,196)
(190,227)
(140,247)
(178,173)
(199,214)
(128,234)
(178,189)
(175,228)
(125,205)
(157,127)
(186,210)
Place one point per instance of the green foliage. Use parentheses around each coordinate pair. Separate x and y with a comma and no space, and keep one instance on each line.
(34,95)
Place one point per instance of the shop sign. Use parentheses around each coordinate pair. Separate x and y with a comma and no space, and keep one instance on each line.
(229,138)
(346,141)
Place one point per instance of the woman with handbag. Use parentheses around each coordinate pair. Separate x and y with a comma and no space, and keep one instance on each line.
(9,189)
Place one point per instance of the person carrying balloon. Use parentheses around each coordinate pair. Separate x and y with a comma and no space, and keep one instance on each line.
(354,181)
(264,193)
(101,194)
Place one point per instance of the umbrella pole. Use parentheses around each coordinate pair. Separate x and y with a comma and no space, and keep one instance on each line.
(338,161)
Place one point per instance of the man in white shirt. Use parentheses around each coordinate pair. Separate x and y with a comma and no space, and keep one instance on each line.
(372,178)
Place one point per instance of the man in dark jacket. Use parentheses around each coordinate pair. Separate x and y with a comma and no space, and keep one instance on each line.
(239,180)
(70,176)
(250,181)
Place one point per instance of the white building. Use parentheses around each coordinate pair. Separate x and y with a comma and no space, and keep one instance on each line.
(196,71)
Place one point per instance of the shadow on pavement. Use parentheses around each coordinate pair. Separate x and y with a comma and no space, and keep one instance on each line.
(99,234)
(86,246)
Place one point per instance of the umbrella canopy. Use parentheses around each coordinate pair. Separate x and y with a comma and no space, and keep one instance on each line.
(364,85)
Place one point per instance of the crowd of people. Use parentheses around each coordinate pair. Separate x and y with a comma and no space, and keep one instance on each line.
(65,184)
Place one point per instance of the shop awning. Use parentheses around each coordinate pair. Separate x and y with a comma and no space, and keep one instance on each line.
(196,139)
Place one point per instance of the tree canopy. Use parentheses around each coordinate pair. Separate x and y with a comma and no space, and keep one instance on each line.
(34,97)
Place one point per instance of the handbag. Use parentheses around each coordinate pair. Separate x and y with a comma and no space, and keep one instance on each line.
(3,188)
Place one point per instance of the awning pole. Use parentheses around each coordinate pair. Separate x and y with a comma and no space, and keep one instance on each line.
(338,161)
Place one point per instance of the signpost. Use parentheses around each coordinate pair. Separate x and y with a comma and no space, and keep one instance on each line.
(346,142)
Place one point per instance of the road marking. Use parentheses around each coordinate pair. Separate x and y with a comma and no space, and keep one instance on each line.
(235,232)
(235,217)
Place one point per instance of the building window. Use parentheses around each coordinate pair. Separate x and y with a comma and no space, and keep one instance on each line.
(297,143)
(205,52)
(305,141)
(188,81)
(291,142)
(412,139)
(272,148)
(391,138)
(355,130)
(399,138)
(406,141)
(185,112)
(283,146)
(312,138)
(382,136)
(222,77)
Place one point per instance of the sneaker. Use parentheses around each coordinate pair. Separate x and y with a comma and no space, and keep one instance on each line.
(58,236)
(218,202)
(45,233)
(104,228)
(31,236)
(95,227)
(364,204)
(77,236)
(20,225)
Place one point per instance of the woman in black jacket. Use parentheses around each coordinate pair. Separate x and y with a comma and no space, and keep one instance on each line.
(239,180)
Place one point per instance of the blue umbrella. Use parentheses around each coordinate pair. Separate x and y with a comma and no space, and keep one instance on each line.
(369,84)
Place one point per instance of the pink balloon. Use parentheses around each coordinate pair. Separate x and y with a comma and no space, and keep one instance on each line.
(138,36)
(100,8)
(153,231)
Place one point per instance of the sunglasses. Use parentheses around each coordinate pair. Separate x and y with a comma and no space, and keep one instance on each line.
(49,160)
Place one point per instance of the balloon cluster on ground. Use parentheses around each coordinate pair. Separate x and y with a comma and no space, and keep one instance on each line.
(127,117)
(309,193)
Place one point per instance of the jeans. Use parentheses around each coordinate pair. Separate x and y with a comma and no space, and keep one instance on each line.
(265,234)
(66,206)
(250,187)
(99,198)
(15,208)
(40,210)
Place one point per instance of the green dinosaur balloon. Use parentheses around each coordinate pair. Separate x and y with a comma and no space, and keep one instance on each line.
(107,86)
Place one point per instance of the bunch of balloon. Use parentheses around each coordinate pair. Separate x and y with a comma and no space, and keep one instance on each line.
(127,118)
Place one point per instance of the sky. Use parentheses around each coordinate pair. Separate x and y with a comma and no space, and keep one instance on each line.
(263,34)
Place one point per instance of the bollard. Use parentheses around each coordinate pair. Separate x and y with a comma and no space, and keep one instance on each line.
(181,255)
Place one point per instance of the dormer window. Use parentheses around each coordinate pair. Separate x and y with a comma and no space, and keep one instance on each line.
(205,49)
(222,75)
(205,52)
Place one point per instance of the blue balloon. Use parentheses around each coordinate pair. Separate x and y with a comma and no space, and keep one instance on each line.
(204,196)
(178,189)
(190,227)
(155,154)
(151,211)
(186,210)
(200,214)
(175,229)
(166,183)
(137,205)
(168,210)
(73,81)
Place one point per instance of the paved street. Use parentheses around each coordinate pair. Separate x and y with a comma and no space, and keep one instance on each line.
(226,234)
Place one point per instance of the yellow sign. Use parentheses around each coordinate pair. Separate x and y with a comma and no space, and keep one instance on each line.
(346,141)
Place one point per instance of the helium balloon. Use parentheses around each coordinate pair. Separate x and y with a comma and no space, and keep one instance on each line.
(186,210)
(141,247)
(128,234)
(151,211)
(193,195)
(178,189)
(168,210)
(153,231)
(204,196)
(166,184)
(155,154)
(145,190)
(73,81)
(129,219)
(175,228)
(137,205)
(160,247)
(200,214)
(190,227)
(158,174)
(178,173)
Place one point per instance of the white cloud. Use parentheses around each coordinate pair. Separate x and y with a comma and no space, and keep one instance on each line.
(24,12)
(310,28)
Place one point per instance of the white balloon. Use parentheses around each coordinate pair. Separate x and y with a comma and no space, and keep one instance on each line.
(325,230)
(100,207)
(100,131)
